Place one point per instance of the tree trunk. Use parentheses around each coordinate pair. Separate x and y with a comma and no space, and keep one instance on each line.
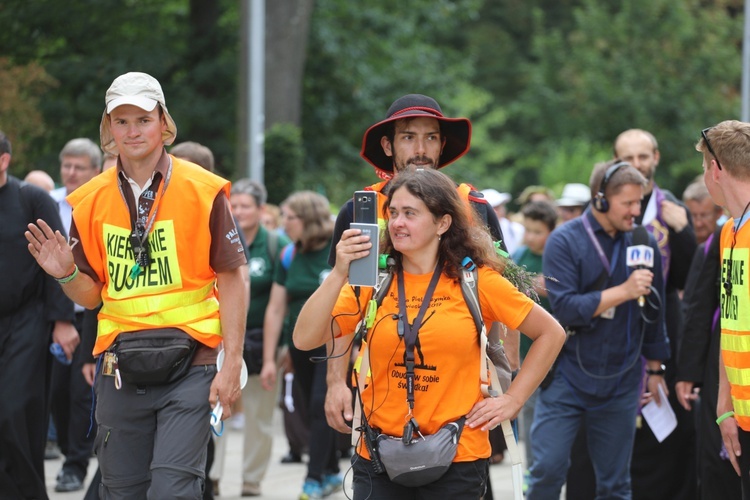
(287,29)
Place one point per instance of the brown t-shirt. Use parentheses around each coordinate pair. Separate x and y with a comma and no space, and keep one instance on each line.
(225,254)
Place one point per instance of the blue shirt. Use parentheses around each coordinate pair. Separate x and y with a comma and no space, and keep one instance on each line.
(601,348)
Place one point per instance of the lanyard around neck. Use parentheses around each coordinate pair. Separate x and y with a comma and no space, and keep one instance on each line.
(412,330)
(600,252)
(136,269)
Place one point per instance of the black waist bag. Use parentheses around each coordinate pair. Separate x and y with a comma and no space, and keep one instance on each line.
(154,357)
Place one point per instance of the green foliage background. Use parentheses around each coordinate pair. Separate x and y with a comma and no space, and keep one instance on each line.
(548,84)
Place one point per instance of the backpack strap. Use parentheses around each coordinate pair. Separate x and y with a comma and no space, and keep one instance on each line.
(362,364)
(272,245)
(491,387)
(470,291)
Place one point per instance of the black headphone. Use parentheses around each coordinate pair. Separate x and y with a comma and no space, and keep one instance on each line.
(600,200)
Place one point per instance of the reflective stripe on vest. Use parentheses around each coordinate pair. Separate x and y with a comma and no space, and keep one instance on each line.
(735,319)
(154,311)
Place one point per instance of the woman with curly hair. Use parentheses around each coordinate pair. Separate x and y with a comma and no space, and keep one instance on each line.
(430,232)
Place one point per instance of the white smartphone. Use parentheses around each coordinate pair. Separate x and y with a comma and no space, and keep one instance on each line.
(364,271)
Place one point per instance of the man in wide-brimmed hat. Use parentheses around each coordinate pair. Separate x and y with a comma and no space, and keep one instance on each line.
(414,133)
(434,140)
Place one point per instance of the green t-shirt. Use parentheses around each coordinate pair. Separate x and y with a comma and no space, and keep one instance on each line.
(261,269)
(305,274)
(533,263)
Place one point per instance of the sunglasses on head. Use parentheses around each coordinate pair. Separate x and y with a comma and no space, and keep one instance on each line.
(704,133)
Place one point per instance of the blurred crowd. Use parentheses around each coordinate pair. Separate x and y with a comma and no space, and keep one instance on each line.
(569,426)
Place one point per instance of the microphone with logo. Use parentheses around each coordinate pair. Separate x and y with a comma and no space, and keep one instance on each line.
(640,255)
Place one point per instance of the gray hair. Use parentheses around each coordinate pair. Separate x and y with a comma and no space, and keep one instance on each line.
(83,147)
(697,191)
(252,188)
(194,152)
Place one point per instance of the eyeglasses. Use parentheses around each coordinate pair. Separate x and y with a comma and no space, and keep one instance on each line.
(708,145)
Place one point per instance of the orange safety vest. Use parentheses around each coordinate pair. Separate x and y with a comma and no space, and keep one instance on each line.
(178,288)
(735,325)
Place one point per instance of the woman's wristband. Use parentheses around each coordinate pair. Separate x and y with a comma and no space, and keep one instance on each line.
(70,277)
(724,417)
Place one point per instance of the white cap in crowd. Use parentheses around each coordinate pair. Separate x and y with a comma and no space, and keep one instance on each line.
(574,195)
(495,198)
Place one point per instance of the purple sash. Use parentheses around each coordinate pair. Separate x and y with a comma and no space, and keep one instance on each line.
(660,230)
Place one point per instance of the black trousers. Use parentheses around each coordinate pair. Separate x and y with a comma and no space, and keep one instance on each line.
(70,399)
(24,381)
(744,460)
(312,378)
(297,424)
(717,479)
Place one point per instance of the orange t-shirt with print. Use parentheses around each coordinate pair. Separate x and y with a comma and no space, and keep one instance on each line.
(446,384)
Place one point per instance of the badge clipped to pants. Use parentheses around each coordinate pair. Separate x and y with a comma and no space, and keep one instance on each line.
(109,363)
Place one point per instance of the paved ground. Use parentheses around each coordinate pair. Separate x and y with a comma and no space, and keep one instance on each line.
(282,481)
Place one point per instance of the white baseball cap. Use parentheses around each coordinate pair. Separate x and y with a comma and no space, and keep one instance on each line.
(495,198)
(574,195)
(137,89)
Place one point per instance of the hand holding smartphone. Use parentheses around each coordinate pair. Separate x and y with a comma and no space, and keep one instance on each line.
(364,271)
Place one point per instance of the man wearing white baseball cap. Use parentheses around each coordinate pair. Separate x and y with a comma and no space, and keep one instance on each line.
(512,230)
(153,242)
(575,197)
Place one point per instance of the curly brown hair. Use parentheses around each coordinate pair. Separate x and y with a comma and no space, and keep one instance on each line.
(467,235)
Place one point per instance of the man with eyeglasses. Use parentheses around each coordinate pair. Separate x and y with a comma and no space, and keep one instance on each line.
(705,213)
(658,468)
(726,172)
(80,161)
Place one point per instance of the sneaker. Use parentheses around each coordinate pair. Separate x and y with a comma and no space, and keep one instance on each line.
(291,458)
(312,489)
(51,451)
(250,489)
(237,422)
(331,484)
(67,481)
(526,480)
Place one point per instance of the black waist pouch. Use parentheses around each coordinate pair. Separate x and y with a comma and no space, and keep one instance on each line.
(154,357)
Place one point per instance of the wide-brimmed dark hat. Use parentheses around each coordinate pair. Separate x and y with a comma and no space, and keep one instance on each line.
(456,131)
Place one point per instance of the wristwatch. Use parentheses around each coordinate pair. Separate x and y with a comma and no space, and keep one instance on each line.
(660,371)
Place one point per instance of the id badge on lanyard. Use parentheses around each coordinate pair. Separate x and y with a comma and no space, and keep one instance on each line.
(609,313)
